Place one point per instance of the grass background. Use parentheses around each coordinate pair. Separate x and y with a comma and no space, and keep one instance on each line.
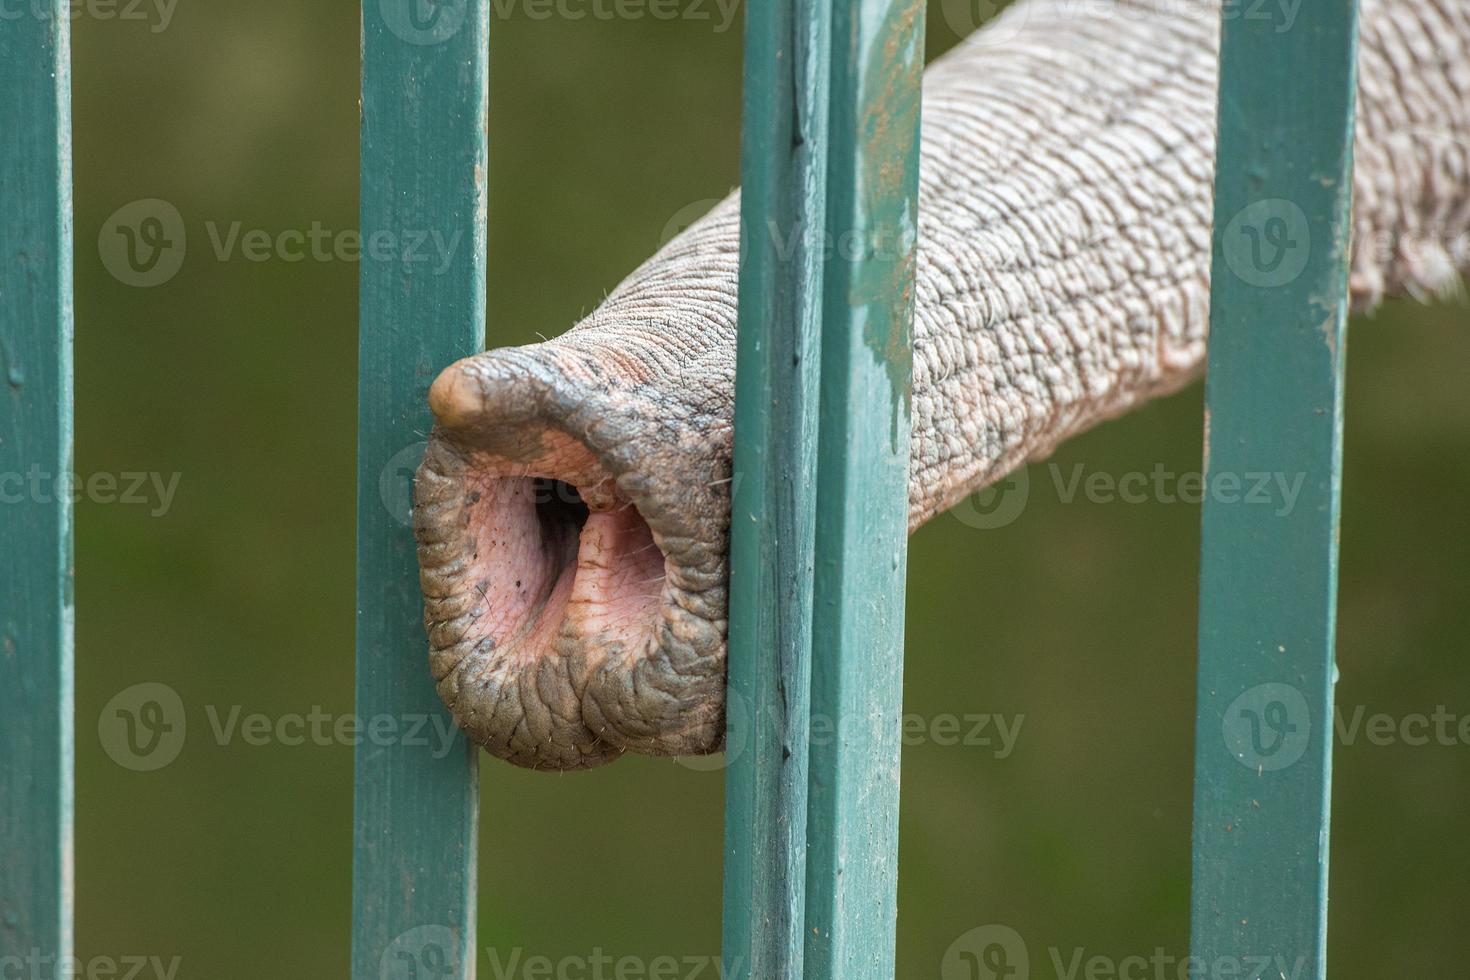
(240,376)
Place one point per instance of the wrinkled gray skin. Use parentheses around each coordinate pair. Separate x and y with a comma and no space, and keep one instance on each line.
(1062,279)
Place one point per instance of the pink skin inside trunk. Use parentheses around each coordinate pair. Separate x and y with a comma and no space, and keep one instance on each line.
(559,553)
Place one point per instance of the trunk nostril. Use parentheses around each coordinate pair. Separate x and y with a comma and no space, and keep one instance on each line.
(560,509)
(559,638)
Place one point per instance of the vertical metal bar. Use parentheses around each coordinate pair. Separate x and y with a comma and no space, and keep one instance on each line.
(783,182)
(1269,571)
(863,464)
(424,116)
(36,575)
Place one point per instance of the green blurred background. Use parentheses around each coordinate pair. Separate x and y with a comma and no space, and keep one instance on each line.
(240,376)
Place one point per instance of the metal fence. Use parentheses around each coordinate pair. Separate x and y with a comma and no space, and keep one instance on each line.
(832,97)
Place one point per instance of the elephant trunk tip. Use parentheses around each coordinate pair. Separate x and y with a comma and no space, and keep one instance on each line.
(552,605)
(454,397)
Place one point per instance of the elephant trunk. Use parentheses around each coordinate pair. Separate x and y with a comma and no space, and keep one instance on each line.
(572,512)
(573,507)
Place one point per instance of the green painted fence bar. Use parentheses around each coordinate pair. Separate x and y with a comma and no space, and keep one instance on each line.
(862,489)
(783,181)
(424,117)
(36,583)
(1268,580)
(830,153)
